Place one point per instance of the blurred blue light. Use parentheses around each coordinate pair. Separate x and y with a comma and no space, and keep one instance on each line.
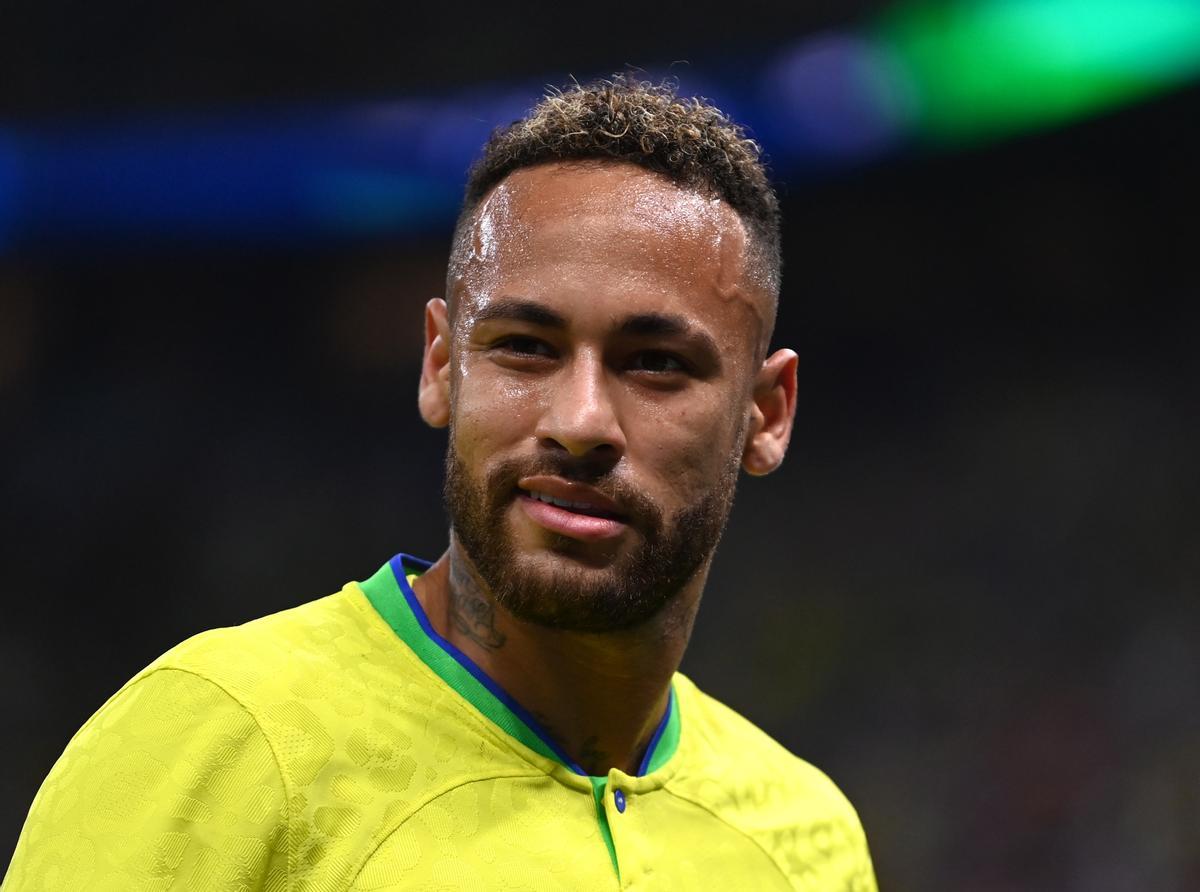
(835,98)
(369,169)
(11,180)
(373,169)
(373,201)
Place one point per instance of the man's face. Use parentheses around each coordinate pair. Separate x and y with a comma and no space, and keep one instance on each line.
(603,349)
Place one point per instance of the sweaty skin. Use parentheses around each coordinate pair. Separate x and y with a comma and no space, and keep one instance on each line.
(655,208)
(605,316)
(712,221)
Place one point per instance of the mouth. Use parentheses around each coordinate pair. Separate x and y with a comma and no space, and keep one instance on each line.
(570,509)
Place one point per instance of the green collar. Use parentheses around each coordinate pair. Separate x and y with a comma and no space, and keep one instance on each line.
(393,599)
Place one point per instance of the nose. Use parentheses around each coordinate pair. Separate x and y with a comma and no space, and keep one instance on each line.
(580,415)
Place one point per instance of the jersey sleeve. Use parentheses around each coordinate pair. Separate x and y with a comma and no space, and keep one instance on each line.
(171,785)
(831,845)
(859,871)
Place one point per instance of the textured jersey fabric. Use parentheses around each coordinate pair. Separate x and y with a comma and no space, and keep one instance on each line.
(341,745)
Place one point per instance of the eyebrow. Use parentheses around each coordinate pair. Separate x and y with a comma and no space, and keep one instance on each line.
(521,311)
(668,325)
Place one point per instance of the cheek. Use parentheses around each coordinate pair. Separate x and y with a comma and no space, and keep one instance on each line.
(687,449)
(489,411)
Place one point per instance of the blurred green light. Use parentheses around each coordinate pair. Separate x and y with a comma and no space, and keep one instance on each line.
(984,68)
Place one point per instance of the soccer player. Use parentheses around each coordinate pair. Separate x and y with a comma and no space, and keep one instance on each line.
(509,716)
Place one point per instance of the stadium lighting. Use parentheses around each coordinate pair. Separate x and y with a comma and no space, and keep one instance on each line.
(935,74)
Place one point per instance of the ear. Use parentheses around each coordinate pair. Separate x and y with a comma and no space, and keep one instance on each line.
(772,411)
(433,394)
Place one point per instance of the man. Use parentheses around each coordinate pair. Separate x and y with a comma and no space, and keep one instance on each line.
(509,716)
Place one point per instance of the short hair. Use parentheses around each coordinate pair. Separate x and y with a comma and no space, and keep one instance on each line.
(688,140)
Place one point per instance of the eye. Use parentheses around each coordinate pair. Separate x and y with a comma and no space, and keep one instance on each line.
(656,362)
(523,345)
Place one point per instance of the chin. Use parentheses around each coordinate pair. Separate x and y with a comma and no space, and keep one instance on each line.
(596,557)
(565,566)
(564,591)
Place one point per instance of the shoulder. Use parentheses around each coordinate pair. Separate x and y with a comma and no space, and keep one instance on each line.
(330,629)
(338,694)
(310,675)
(170,779)
(325,655)
(733,748)
(268,686)
(751,782)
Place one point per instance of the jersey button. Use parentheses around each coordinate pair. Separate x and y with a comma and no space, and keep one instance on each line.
(619,799)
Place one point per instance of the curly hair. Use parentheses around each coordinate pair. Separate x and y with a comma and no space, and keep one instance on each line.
(688,140)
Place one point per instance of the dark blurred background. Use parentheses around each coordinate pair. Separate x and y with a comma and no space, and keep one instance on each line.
(969,595)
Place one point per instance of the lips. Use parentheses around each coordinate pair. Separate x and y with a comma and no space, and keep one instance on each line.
(570,509)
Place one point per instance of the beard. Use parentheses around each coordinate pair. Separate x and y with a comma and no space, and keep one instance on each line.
(578,595)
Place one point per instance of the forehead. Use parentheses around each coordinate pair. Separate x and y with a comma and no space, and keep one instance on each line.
(596,230)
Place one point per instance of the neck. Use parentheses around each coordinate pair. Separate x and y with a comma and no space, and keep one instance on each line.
(600,696)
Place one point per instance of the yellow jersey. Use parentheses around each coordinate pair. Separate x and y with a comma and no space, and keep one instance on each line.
(344,745)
